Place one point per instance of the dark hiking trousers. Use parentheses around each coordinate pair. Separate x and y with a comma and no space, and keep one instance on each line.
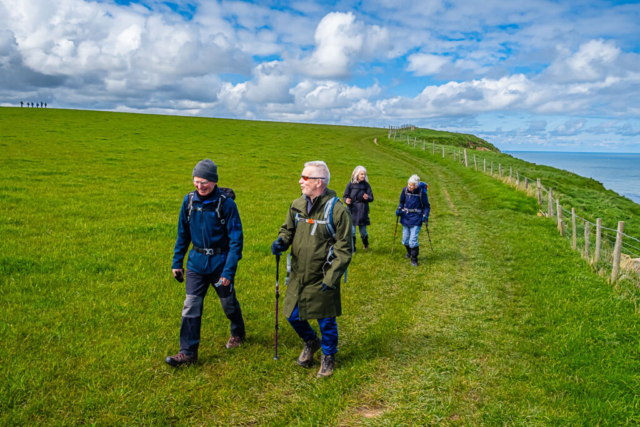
(197,286)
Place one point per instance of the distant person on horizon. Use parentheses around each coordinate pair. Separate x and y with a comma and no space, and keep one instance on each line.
(414,210)
(357,196)
(21,104)
(318,230)
(210,220)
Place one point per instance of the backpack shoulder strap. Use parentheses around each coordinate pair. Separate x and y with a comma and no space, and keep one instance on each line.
(328,215)
(223,198)
(190,206)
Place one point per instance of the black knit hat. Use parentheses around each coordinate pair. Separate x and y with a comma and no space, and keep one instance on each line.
(206,169)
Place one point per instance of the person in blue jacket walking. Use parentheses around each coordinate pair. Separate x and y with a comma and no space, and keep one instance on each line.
(414,210)
(209,219)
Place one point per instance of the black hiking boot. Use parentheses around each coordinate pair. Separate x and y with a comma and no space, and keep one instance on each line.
(310,347)
(408,255)
(327,367)
(365,243)
(181,359)
(414,256)
(354,244)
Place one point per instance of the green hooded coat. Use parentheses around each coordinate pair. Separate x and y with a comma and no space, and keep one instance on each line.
(309,266)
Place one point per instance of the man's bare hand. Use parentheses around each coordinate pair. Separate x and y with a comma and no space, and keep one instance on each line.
(366,196)
(348,201)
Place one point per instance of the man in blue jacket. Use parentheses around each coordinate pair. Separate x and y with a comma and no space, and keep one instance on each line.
(414,209)
(209,219)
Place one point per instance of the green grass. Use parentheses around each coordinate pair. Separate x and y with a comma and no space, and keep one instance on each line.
(502,325)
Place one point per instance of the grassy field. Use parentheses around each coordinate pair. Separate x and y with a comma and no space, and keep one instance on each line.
(503,324)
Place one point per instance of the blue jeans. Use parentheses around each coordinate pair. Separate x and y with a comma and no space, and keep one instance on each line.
(410,235)
(363,231)
(197,286)
(328,328)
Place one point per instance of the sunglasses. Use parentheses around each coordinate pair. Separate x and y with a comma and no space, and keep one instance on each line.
(306,178)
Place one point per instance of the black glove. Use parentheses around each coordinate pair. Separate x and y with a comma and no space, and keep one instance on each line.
(278,246)
(179,277)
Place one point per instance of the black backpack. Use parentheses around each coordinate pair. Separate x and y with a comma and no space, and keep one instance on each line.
(224,194)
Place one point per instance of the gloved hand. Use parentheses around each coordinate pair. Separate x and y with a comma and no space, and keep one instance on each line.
(278,246)
(398,212)
(325,287)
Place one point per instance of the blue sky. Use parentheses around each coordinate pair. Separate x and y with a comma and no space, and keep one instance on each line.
(535,75)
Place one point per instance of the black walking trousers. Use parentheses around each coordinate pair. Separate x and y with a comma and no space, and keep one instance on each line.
(197,286)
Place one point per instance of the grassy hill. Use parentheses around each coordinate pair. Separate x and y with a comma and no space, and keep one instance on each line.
(502,324)
(460,140)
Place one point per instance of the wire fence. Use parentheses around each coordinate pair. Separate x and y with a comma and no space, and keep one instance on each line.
(601,246)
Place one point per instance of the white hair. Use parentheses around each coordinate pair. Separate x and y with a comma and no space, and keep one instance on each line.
(356,172)
(321,167)
(415,179)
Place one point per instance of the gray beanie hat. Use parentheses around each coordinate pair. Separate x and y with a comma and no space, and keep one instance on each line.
(206,169)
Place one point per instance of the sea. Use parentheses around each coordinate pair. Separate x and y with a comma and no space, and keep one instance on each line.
(619,172)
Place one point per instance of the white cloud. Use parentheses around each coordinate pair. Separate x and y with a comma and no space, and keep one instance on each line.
(341,42)
(423,64)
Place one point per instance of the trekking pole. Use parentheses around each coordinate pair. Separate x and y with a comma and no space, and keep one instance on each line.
(394,234)
(275,357)
(429,235)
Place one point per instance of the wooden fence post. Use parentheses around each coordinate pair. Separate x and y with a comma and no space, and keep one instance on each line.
(574,238)
(550,207)
(466,161)
(433,144)
(407,139)
(517,178)
(560,218)
(616,252)
(443,151)
(424,145)
(598,238)
(500,169)
(586,240)
(475,164)
(526,183)
(491,168)
(510,174)
(539,192)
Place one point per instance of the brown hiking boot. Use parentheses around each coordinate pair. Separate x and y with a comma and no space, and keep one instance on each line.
(310,347)
(328,365)
(181,359)
(234,342)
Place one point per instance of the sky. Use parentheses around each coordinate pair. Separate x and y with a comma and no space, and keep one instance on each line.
(525,75)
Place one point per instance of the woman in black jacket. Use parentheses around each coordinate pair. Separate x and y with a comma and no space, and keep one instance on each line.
(357,196)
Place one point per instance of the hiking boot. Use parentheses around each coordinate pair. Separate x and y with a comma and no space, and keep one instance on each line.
(365,243)
(327,367)
(408,255)
(310,347)
(414,256)
(234,341)
(181,359)
(354,244)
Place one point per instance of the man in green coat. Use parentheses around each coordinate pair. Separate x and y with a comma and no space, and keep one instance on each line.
(318,229)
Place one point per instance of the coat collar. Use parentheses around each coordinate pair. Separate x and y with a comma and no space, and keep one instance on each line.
(301,202)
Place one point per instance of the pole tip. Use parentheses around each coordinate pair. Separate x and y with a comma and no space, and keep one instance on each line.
(276,358)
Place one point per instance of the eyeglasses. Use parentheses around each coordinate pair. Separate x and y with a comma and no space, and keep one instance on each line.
(306,178)
(203,183)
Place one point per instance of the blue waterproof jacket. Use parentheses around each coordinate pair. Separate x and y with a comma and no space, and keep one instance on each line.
(206,231)
(414,205)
